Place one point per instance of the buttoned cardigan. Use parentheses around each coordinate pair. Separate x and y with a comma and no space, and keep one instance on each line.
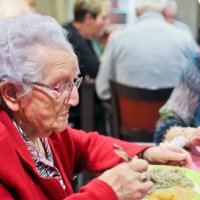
(73,151)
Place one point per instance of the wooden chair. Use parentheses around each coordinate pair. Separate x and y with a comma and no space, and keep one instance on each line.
(87,97)
(135,111)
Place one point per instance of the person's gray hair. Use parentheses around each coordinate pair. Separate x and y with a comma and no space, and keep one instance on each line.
(173,5)
(19,39)
(142,6)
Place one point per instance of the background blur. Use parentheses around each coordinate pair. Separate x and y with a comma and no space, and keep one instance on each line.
(188,11)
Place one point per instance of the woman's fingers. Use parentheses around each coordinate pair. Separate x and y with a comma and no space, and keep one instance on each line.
(127,179)
(138,165)
(166,153)
(177,154)
(143,189)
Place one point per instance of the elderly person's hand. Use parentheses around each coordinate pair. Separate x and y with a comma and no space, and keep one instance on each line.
(191,134)
(167,154)
(126,179)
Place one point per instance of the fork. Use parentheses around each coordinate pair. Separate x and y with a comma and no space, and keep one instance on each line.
(125,156)
(122,153)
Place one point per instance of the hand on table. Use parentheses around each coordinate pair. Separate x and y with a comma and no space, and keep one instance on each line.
(167,154)
(191,134)
(126,179)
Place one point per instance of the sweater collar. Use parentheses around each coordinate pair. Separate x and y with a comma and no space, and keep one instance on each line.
(151,15)
(14,136)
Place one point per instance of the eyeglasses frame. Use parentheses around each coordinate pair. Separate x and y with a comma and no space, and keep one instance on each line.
(76,83)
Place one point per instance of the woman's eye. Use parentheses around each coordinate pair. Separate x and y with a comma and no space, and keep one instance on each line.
(57,87)
(75,79)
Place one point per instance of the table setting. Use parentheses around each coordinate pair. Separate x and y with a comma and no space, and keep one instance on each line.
(171,182)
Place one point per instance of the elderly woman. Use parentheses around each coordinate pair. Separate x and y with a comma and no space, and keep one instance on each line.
(39,154)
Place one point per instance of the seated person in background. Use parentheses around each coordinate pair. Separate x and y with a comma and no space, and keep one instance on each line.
(90,17)
(38,152)
(151,54)
(180,116)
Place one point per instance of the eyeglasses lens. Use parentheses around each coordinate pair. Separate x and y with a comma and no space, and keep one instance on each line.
(67,87)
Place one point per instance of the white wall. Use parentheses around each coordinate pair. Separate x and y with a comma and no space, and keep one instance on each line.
(69,10)
(188,13)
(62,10)
(59,9)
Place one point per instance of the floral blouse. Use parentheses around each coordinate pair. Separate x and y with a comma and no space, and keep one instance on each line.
(183,106)
(44,165)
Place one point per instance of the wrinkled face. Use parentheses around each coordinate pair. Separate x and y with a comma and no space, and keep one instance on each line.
(43,111)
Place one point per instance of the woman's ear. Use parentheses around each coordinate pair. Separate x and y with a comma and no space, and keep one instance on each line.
(9,96)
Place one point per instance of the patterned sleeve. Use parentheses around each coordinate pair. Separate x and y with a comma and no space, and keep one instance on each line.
(180,109)
(165,124)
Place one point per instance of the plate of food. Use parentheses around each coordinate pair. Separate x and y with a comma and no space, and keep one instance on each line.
(173,183)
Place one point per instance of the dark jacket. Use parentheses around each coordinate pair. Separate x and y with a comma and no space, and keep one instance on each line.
(88,60)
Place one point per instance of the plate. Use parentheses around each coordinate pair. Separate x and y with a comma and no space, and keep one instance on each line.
(193,175)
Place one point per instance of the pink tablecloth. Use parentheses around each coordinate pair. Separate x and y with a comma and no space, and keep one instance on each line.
(195,154)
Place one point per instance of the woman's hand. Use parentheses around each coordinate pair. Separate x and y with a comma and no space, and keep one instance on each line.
(126,179)
(167,154)
(192,135)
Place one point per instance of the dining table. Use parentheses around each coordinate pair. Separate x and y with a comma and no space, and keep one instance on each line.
(195,154)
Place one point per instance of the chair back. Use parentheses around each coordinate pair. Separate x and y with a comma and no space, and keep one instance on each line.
(135,111)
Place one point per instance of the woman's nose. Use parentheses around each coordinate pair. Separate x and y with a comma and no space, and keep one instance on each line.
(73,98)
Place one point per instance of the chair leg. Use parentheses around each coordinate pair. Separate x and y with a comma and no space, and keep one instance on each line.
(108,123)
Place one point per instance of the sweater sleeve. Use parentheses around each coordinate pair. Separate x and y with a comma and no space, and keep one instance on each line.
(4,193)
(168,119)
(95,189)
(94,152)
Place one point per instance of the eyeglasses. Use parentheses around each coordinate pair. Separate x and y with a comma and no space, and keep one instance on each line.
(63,88)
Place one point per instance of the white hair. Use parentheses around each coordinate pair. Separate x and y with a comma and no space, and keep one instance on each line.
(150,5)
(173,5)
(19,36)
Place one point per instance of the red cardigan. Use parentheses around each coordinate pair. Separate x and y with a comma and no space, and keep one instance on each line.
(73,151)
